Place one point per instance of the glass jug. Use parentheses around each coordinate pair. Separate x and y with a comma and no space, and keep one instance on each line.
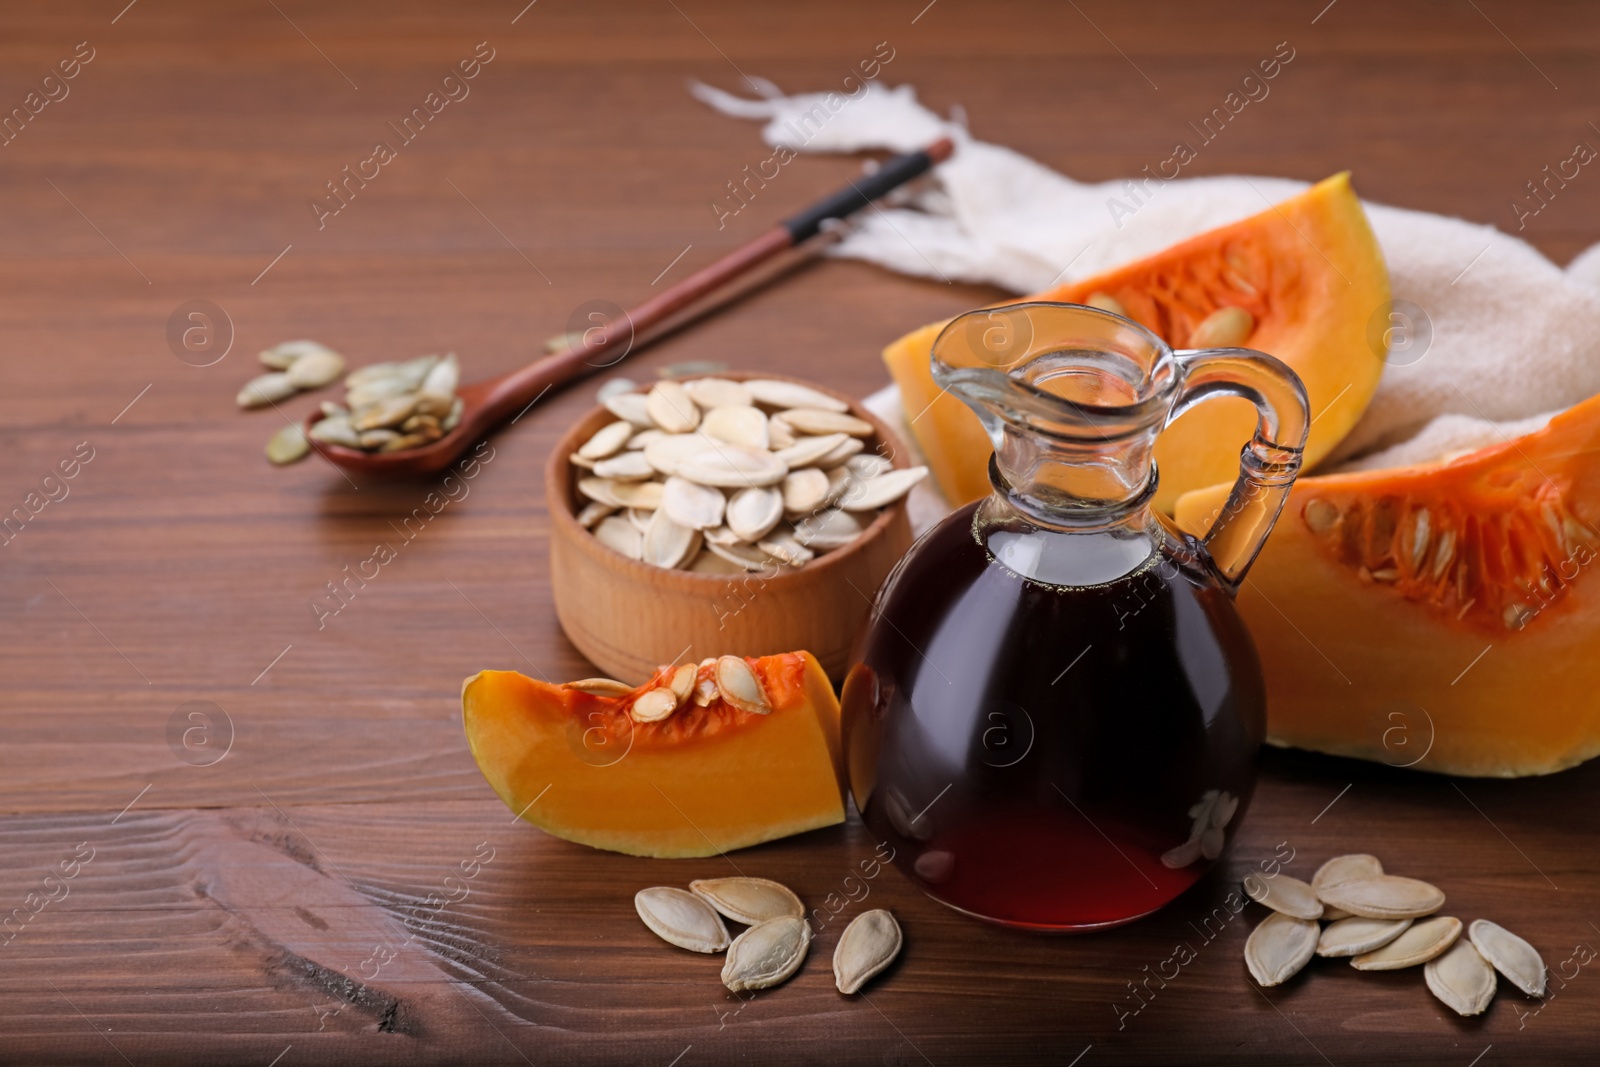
(1056,709)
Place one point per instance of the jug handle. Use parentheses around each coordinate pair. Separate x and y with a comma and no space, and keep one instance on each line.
(1270,461)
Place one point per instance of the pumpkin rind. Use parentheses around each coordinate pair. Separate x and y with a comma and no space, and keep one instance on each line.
(703,781)
(1309,272)
(1468,648)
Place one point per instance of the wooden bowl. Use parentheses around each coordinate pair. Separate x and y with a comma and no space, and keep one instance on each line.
(630,618)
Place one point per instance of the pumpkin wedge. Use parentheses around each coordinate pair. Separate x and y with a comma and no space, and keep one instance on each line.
(1310,275)
(1442,615)
(703,778)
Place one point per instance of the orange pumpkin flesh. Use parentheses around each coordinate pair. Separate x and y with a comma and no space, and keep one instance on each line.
(1308,270)
(1441,615)
(701,782)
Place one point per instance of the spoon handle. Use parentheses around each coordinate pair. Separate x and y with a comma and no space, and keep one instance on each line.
(608,344)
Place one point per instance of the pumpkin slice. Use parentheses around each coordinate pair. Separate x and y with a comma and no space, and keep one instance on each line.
(1309,273)
(706,778)
(1441,615)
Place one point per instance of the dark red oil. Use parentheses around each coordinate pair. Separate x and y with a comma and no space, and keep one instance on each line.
(1031,751)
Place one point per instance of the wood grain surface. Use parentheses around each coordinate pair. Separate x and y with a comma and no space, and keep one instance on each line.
(271,887)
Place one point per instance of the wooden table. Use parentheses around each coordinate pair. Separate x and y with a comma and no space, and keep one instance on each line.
(237,909)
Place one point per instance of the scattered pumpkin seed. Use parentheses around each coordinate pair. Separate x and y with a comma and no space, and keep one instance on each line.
(868,945)
(287,445)
(1284,894)
(1461,978)
(766,955)
(315,369)
(266,389)
(749,900)
(1419,943)
(1346,869)
(780,394)
(1355,935)
(1279,947)
(680,918)
(1383,897)
(1513,957)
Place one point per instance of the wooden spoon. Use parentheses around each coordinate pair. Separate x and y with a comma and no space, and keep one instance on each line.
(488,403)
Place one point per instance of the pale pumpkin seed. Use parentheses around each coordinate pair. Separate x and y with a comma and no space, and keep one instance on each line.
(335,431)
(733,467)
(680,918)
(681,682)
(266,389)
(631,408)
(1346,869)
(780,394)
(820,421)
(671,409)
(711,393)
(1106,302)
(1513,957)
(442,379)
(1461,978)
(600,687)
(315,369)
(619,535)
(644,437)
(698,507)
(868,465)
(805,490)
(1355,935)
(1319,515)
(625,467)
(841,452)
(1419,943)
(739,686)
(667,452)
(582,461)
(1224,328)
(283,354)
(287,445)
(705,687)
(753,513)
(868,945)
(779,435)
(721,535)
(646,496)
(1383,897)
(749,900)
(766,954)
(378,438)
(808,450)
(452,418)
(828,529)
(885,489)
(782,546)
(607,440)
(653,705)
(736,425)
(599,489)
(667,544)
(1284,894)
(384,413)
(1279,947)
(410,440)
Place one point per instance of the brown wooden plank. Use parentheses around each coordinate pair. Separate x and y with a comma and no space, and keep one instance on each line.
(227,915)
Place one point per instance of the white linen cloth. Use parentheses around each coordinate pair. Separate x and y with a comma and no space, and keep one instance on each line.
(1513,335)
